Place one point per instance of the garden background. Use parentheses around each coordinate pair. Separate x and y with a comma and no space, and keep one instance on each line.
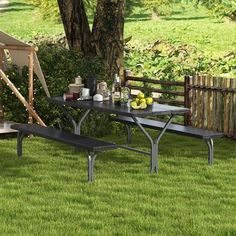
(46,193)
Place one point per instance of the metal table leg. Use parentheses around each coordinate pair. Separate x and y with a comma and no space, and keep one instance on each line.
(77,126)
(129,133)
(154,142)
(69,117)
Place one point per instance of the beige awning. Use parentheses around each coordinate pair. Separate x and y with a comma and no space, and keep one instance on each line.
(20,57)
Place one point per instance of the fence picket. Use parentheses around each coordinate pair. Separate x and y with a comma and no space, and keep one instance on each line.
(220,112)
(231,108)
(234,113)
(209,104)
(225,108)
(204,102)
(214,105)
(194,102)
(199,102)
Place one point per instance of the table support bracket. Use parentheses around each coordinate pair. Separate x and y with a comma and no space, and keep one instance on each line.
(71,119)
(77,126)
(154,142)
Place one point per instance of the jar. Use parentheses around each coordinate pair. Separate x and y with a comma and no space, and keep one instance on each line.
(125,94)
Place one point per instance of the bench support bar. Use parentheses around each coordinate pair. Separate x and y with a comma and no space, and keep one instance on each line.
(210,145)
(91,159)
(154,142)
(134,149)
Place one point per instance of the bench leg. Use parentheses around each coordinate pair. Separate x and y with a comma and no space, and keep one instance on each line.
(210,145)
(20,137)
(129,133)
(91,159)
(154,158)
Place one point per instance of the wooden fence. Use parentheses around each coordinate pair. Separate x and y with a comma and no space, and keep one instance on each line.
(212,101)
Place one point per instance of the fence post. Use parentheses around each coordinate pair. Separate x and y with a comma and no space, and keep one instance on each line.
(1,86)
(187,117)
(232,105)
(127,73)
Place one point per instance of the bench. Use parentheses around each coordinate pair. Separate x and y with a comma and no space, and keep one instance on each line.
(92,146)
(190,131)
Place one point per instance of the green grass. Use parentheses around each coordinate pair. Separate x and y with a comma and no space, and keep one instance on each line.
(46,193)
(194,27)
(21,19)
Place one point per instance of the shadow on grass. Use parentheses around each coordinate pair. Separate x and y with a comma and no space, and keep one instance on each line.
(185,18)
(18,6)
(11,165)
(138,17)
(130,157)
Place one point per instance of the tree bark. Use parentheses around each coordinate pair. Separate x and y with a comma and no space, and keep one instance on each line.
(108,33)
(76,25)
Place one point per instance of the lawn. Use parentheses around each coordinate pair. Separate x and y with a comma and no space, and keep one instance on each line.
(193,27)
(46,193)
(21,19)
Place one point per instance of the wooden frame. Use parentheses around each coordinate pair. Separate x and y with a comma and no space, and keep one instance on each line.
(28,104)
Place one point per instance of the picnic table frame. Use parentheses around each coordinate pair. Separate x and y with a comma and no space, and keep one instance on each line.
(109,107)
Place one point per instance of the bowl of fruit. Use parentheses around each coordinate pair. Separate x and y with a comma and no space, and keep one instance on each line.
(141,102)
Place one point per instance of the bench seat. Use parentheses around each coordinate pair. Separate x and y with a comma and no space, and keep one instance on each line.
(91,145)
(172,128)
(190,131)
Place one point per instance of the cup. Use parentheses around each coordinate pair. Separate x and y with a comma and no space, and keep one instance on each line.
(78,80)
(85,92)
(68,96)
(75,96)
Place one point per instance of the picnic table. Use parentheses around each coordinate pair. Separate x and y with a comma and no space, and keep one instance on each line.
(124,110)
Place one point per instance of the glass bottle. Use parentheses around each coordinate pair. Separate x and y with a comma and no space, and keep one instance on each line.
(116,90)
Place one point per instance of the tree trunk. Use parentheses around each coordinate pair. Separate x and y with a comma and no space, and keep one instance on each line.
(76,25)
(107,34)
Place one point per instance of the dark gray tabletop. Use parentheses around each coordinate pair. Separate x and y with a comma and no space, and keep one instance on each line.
(109,107)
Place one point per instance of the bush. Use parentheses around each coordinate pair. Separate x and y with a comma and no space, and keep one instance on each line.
(220,9)
(60,67)
(165,61)
(48,9)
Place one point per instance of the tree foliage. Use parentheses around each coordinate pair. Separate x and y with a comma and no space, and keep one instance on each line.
(220,8)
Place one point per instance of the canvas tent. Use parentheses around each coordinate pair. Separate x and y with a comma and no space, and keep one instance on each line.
(21,54)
